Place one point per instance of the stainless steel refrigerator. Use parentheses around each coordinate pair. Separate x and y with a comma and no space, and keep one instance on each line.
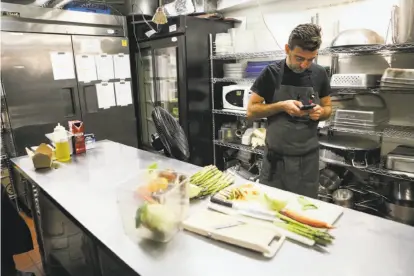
(61,65)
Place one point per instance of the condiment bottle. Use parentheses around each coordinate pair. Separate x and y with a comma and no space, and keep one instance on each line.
(61,140)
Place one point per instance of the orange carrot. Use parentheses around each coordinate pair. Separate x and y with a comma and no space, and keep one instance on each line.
(306,220)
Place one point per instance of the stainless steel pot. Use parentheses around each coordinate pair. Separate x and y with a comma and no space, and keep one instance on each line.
(348,150)
(344,198)
(403,191)
(400,213)
(403,22)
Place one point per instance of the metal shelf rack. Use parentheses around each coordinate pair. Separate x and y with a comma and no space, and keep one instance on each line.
(250,55)
(239,147)
(369,49)
(377,91)
(394,174)
(331,51)
(390,131)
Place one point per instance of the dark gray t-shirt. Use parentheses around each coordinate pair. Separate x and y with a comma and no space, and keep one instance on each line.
(269,80)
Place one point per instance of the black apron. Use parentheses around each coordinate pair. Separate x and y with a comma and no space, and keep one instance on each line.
(291,160)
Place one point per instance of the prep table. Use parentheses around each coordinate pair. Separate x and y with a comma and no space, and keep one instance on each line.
(79,228)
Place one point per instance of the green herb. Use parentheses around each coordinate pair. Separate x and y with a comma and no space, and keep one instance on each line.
(153,167)
(306,204)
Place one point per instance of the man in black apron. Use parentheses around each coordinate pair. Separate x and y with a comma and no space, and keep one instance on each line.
(293,94)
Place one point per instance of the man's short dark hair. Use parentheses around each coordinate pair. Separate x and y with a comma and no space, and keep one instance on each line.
(306,36)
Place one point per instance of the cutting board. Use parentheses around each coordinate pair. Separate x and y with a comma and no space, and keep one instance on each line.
(326,212)
(229,229)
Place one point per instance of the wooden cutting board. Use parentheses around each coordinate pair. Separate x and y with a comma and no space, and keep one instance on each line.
(229,229)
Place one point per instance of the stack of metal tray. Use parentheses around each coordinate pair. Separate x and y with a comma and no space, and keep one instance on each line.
(364,118)
(398,79)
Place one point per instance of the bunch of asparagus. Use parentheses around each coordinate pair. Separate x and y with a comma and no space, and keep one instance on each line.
(211,180)
(320,237)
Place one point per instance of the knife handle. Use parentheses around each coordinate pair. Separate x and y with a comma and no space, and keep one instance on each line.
(221,202)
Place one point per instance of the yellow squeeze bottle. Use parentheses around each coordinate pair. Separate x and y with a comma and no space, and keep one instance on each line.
(61,140)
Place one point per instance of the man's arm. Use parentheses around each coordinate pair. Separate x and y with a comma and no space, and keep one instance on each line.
(256,109)
(326,104)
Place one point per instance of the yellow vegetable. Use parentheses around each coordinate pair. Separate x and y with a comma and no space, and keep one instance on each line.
(157,184)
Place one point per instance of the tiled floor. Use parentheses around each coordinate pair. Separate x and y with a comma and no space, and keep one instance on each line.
(30,261)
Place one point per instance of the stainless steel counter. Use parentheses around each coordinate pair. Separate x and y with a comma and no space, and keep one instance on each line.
(86,189)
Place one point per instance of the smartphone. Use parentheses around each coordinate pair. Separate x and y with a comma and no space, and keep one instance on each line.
(307,107)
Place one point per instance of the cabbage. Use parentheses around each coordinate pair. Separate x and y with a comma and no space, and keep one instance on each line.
(156,217)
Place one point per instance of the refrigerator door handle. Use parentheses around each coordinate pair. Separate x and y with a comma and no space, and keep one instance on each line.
(68,99)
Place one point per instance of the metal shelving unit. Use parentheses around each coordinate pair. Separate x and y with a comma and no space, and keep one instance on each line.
(239,147)
(389,131)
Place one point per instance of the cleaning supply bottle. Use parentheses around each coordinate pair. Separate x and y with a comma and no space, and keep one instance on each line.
(61,140)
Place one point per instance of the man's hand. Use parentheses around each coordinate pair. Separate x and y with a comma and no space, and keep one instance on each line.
(292,108)
(316,112)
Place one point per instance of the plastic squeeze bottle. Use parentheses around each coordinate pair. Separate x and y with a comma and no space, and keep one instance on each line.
(61,139)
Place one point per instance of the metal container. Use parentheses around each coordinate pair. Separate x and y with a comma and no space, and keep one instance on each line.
(403,191)
(401,159)
(361,81)
(144,7)
(357,37)
(344,198)
(400,213)
(403,22)
(366,116)
(348,150)
(205,5)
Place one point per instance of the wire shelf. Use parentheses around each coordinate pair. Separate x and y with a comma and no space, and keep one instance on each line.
(377,91)
(239,147)
(394,174)
(247,55)
(400,132)
(239,113)
(361,49)
(378,48)
(246,81)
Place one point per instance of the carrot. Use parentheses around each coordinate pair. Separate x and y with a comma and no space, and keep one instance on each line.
(306,220)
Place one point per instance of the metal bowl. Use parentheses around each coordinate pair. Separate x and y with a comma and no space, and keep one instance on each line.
(357,37)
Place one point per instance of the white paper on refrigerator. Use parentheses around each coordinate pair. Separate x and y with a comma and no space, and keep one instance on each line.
(62,65)
(104,67)
(86,68)
(121,66)
(123,93)
(105,94)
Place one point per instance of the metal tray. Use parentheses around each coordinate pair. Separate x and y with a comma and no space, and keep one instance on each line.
(398,74)
(355,81)
(361,116)
(401,159)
